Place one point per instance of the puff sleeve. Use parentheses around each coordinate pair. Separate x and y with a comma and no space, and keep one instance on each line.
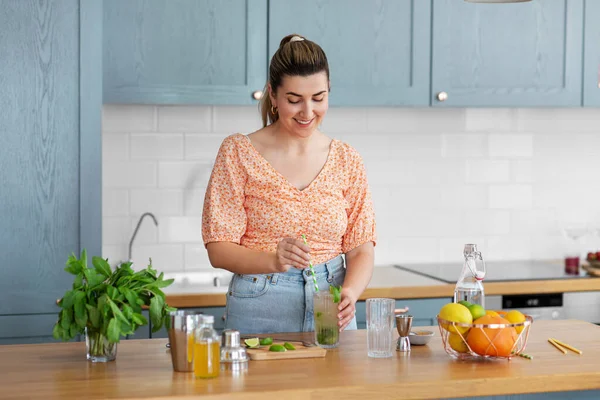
(361,215)
(224,217)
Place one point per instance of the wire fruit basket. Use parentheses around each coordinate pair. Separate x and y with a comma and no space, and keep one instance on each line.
(484,341)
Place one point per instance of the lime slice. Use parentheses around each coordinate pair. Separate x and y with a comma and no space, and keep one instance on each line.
(289,346)
(277,347)
(252,343)
(266,341)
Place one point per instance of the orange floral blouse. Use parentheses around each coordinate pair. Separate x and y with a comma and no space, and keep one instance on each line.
(248,202)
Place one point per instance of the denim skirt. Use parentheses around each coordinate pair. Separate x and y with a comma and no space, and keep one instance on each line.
(280,302)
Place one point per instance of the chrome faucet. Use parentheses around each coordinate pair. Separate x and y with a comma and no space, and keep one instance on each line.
(137,228)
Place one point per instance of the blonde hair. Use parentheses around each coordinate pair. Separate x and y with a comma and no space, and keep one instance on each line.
(296,56)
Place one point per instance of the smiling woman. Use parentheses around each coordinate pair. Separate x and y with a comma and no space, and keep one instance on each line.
(273,186)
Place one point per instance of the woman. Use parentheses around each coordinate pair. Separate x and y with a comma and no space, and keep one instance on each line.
(272,186)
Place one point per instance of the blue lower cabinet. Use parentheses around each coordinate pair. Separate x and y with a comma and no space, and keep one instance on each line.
(424,311)
(217,312)
(28,328)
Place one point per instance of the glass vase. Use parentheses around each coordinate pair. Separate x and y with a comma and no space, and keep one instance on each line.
(98,348)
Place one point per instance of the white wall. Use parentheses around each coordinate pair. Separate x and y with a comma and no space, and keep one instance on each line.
(502,178)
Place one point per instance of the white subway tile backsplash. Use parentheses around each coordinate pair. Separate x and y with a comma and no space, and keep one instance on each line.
(128,118)
(508,247)
(344,121)
(184,118)
(463,145)
(165,257)
(157,146)
(457,197)
(115,202)
(236,119)
(415,120)
(180,230)
(511,196)
(511,145)
(490,119)
(487,171)
(502,178)
(203,147)
(115,147)
(130,174)
(521,171)
(196,257)
(183,175)
(163,202)
(193,202)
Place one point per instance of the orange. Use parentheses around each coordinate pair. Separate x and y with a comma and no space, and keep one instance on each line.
(492,313)
(501,313)
(492,342)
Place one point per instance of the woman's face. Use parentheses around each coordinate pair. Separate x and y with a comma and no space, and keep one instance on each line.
(302,102)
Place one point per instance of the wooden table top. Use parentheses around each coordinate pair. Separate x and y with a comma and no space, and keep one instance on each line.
(143,370)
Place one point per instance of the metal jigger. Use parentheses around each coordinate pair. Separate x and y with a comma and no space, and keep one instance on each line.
(403,325)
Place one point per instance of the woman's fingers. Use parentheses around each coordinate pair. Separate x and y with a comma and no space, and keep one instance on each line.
(346,314)
(293,253)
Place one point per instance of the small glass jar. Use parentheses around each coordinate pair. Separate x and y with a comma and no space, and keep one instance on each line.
(207,349)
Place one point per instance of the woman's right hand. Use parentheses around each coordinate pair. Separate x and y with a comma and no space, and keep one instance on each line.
(291,253)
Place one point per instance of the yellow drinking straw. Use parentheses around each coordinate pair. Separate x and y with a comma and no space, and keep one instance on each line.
(566,346)
(311,268)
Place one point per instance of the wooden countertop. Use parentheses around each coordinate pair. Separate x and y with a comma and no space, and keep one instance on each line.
(395,283)
(143,370)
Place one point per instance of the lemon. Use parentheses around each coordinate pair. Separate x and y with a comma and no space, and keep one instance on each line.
(252,343)
(266,341)
(516,317)
(476,311)
(277,347)
(457,343)
(455,312)
(289,346)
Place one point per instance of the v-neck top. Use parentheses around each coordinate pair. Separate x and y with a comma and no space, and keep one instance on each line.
(250,203)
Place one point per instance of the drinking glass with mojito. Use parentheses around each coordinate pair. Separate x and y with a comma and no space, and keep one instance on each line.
(326,322)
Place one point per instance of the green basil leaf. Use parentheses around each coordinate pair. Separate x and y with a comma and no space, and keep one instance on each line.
(57,331)
(125,328)
(94,315)
(162,284)
(116,312)
(66,318)
(81,320)
(95,279)
(127,311)
(113,332)
(68,299)
(101,265)
(139,319)
(74,330)
(79,305)
(156,305)
(78,281)
(73,265)
(112,292)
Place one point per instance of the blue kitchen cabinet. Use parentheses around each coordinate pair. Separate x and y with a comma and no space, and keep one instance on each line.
(184,52)
(591,54)
(50,156)
(217,312)
(424,311)
(378,53)
(513,55)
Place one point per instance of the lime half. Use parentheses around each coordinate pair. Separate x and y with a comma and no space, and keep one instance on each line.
(277,347)
(252,343)
(289,346)
(266,341)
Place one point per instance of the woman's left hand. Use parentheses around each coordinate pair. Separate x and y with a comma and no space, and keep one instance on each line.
(347,308)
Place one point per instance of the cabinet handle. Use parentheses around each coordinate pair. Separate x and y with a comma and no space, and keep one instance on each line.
(257,95)
(442,96)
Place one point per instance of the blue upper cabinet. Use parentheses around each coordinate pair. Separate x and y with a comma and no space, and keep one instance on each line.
(378,52)
(516,55)
(591,74)
(185,51)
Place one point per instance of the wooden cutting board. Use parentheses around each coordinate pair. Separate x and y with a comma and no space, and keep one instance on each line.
(263,353)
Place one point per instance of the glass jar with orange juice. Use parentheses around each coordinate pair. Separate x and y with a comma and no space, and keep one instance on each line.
(207,349)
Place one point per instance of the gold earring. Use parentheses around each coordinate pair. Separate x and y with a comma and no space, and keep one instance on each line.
(273,110)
